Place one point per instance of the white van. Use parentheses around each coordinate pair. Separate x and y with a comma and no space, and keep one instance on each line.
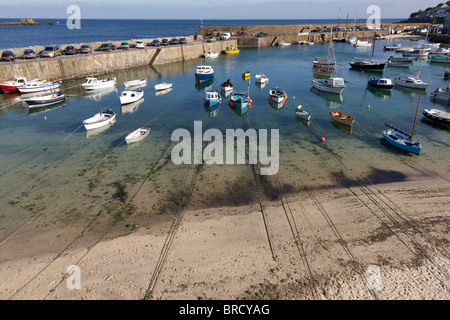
(226,36)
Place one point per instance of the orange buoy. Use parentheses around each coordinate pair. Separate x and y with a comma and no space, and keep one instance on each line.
(322,139)
(232,103)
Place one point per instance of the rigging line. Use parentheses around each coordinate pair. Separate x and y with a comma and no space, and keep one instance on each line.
(58,256)
(383,209)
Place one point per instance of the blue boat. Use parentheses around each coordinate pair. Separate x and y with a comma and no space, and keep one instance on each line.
(402,140)
(240,100)
(204,73)
(212,98)
(382,83)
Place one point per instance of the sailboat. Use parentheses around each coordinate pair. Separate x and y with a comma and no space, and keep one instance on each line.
(411,81)
(325,67)
(366,64)
(403,140)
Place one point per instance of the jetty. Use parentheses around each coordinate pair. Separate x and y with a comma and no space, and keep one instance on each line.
(67,67)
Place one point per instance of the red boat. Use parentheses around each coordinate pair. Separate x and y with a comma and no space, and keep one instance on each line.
(13,84)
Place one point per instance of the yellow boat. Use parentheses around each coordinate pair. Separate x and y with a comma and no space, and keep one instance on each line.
(231,51)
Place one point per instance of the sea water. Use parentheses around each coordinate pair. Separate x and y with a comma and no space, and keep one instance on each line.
(53,171)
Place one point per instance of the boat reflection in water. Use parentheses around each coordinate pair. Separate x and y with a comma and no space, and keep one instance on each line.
(161,92)
(204,85)
(381,93)
(331,100)
(346,129)
(131,107)
(35,111)
(277,105)
(96,95)
(260,85)
(212,111)
(97,132)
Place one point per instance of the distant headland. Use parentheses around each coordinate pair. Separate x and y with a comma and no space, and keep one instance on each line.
(435,14)
(26,22)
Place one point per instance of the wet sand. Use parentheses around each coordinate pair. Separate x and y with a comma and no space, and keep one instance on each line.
(331,244)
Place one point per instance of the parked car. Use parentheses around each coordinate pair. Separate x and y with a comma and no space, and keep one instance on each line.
(70,50)
(182,41)
(225,36)
(51,51)
(8,56)
(85,48)
(155,43)
(165,42)
(29,54)
(262,34)
(140,44)
(107,47)
(173,41)
(211,39)
(124,45)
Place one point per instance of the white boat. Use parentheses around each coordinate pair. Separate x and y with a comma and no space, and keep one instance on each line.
(277,95)
(35,86)
(283,43)
(13,84)
(91,83)
(163,86)
(99,120)
(139,82)
(137,135)
(45,100)
(302,114)
(360,43)
(261,78)
(226,86)
(128,97)
(410,82)
(332,85)
(211,54)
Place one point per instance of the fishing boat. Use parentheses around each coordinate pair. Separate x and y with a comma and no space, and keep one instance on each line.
(332,85)
(342,118)
(211,54)
(381,83)
(261,78)
(322,67)
(231,51)
(391,63)
(439,59)
(302,114)
(91,83)
(226,86)
(163,86)
(362,44)
(323,72)
(441,94)
(99,120)
(45,100)
(128,97)
(277,95)
(212,98)
(241,100)
(204,73)
(403,140)
(437,115)
(283,43)
(138,82)
(35,86)
(401,59)
(137,135)
(13,84)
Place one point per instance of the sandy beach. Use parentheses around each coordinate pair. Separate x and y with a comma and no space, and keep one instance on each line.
(373,242)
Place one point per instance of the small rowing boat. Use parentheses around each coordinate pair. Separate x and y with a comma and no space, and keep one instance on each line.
(342,118)
(137,135)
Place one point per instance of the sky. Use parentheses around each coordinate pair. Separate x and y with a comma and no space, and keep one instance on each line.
(211,9)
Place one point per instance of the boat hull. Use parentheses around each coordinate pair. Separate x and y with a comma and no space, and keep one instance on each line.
(38,103)
(399,140)
(8,89)
(98,121)
(365,66)
(319,86)
(25,90)
(203,77)
(137,135)
(129,98)
(342,118)
(437,115)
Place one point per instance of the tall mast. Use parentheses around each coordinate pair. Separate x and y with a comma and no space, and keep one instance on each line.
(373,49)
(415,118)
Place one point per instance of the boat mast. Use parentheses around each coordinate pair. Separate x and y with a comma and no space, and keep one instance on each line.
(415,118)
(373,49)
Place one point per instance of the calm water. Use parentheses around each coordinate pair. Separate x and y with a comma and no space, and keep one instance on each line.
(103,30)
(53,171)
